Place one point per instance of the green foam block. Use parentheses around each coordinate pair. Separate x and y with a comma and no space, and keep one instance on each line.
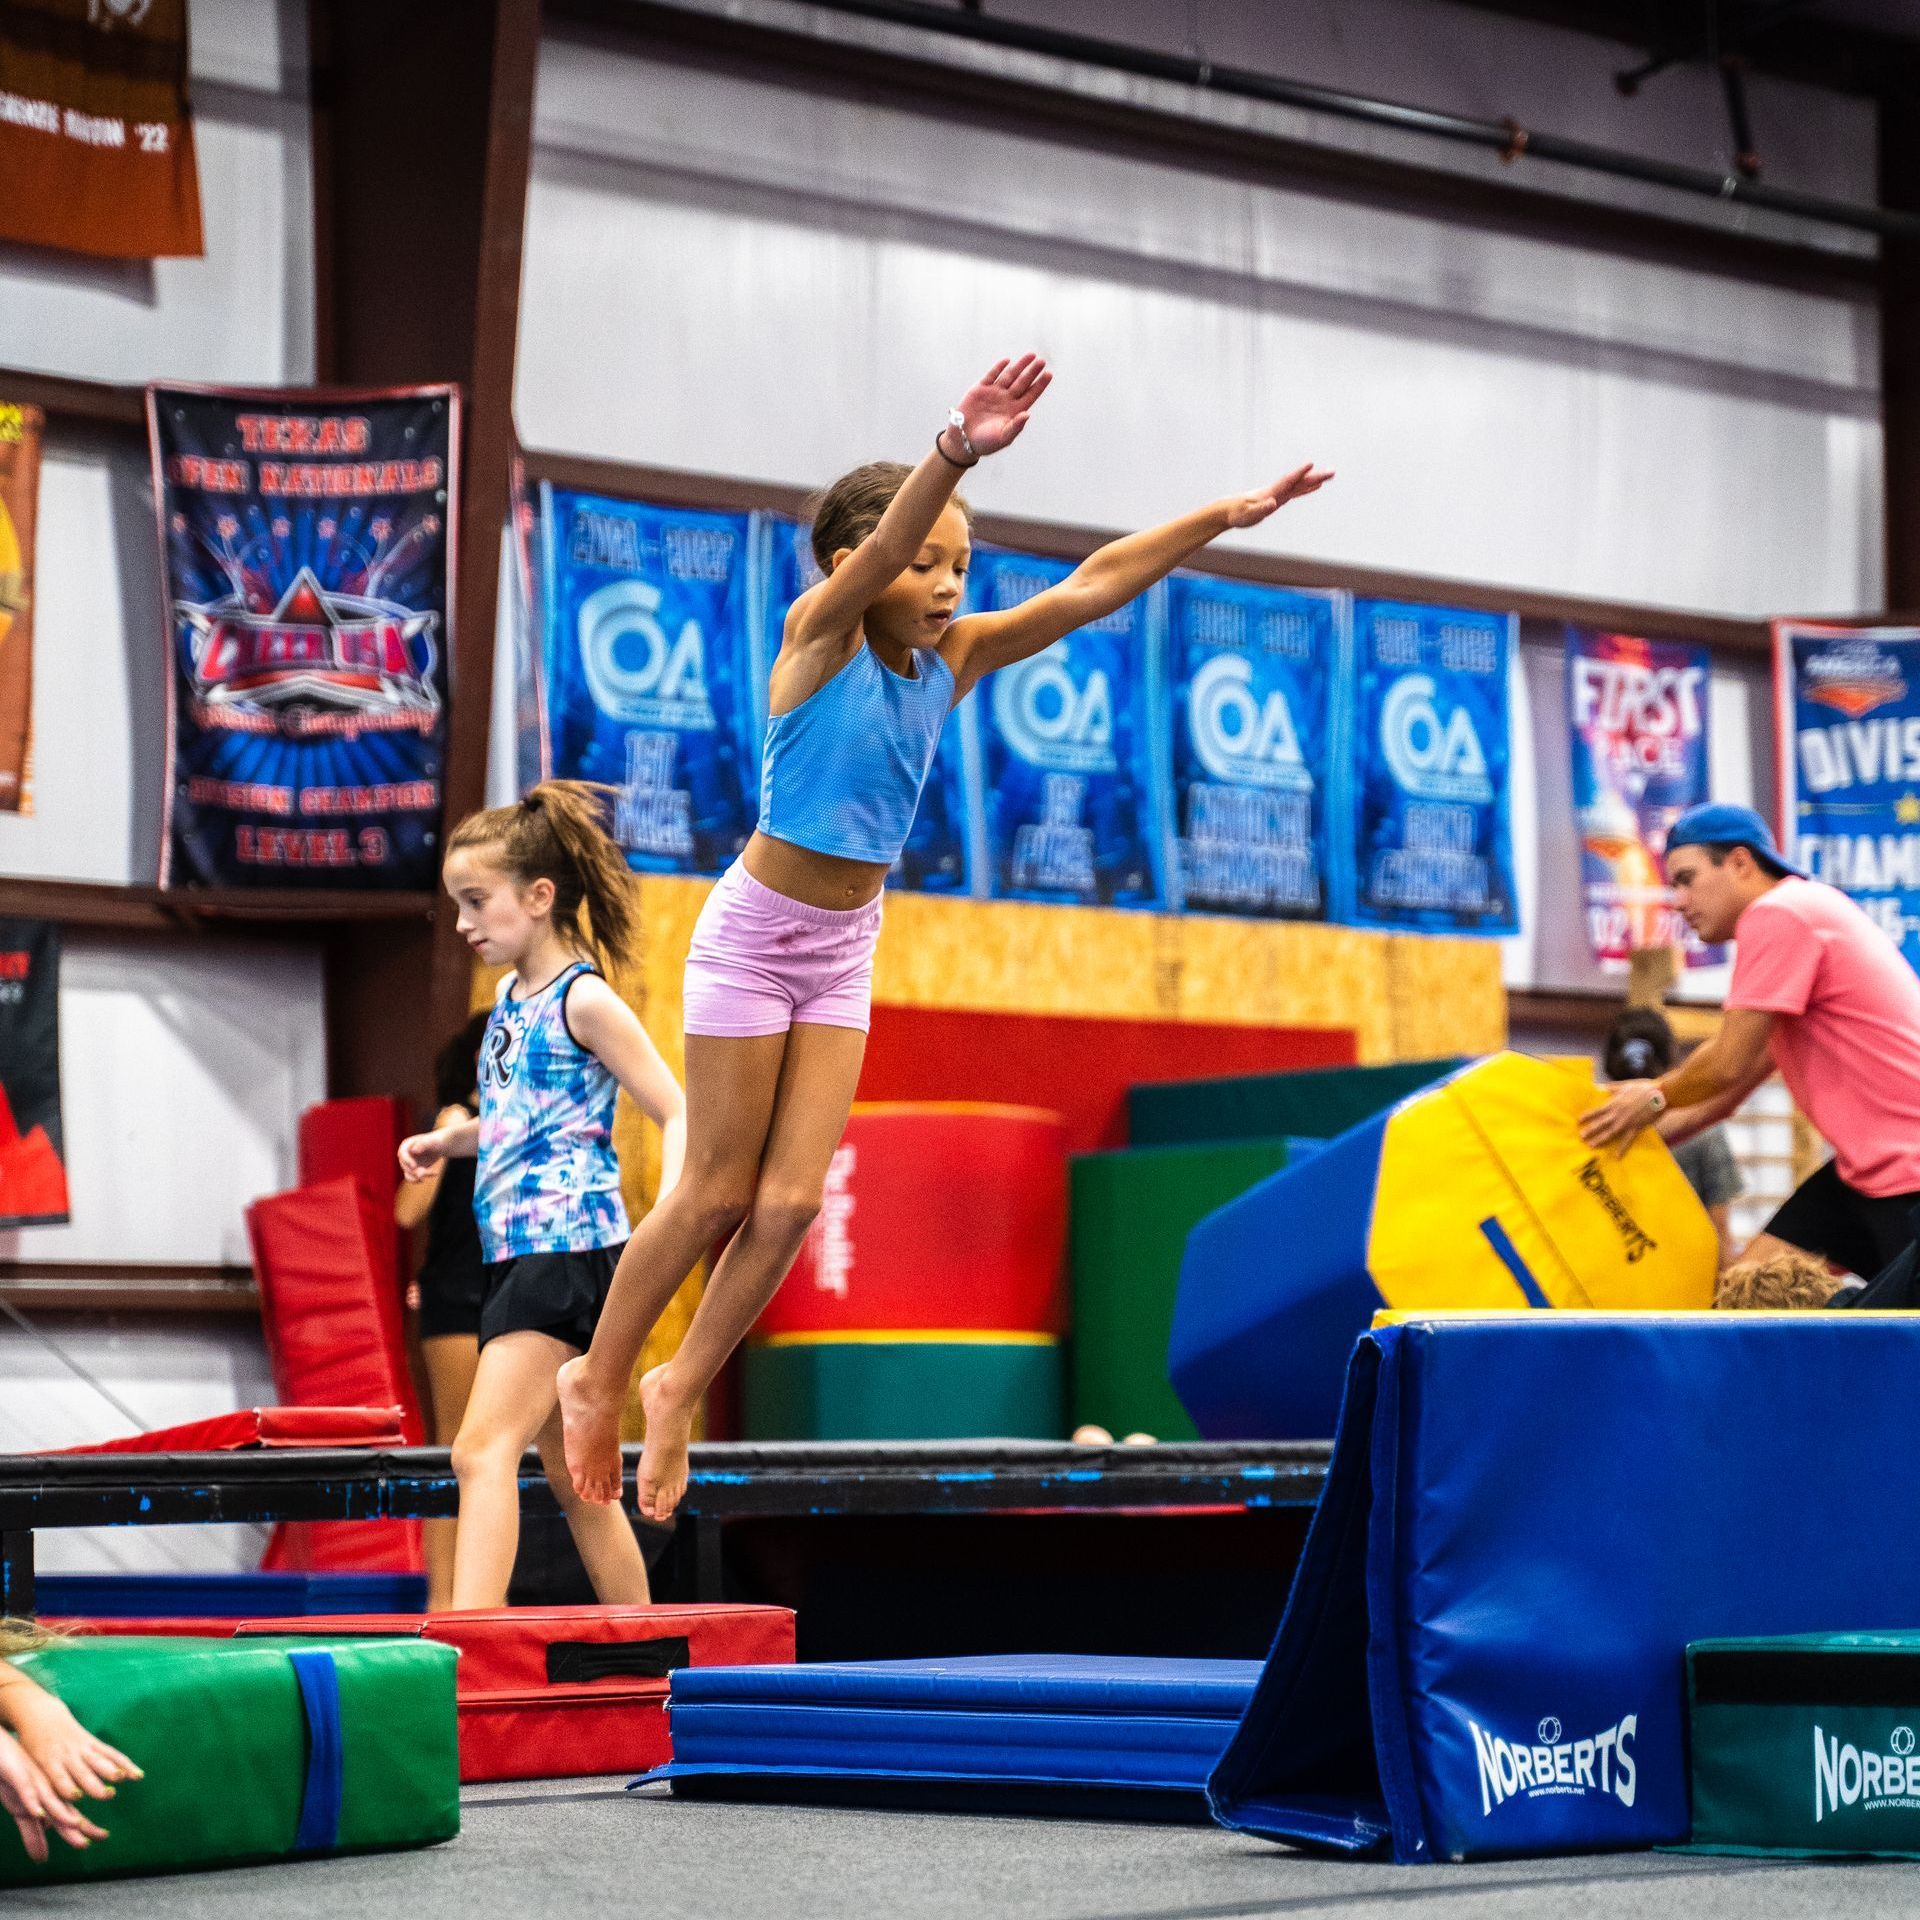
(1318,1104)
(1131,1213)
(904,1390)
(220,1730)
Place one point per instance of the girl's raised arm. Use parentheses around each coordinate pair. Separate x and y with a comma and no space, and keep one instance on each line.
(977,643)
(993,412)
(608,1028)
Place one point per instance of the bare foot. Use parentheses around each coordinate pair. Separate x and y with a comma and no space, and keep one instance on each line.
(590,1423)
(662,1479)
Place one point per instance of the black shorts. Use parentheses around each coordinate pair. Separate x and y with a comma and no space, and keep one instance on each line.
(447,1313)
(1854,1230)
(556,1293)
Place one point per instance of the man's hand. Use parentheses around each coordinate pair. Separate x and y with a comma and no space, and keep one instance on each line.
(1634,1104)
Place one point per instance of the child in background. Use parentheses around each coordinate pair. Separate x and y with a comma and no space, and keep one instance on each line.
(779,977)
(557,1045)
(452,1280)
(49,1762)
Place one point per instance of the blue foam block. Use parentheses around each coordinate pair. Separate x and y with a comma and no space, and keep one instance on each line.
(1105,1724)
(226,1596)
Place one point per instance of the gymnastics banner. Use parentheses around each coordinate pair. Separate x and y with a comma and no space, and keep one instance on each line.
(1637,711)
(1073,802)
(648,672)
(307,546)
(33,1180)
(939,855)
(1848,707)
(19,509)
(1427,844)
(1253,676)
(96,137)
(532,752)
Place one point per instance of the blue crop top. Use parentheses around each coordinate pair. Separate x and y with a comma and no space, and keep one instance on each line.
(842,771)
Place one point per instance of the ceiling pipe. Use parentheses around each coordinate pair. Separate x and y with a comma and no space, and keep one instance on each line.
(1505,137)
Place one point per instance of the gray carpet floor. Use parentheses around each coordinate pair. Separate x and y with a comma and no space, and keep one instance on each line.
(587,1850)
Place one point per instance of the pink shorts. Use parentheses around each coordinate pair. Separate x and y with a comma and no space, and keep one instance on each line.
(761,963)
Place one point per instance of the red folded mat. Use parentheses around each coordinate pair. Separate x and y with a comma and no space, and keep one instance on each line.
(263,1427)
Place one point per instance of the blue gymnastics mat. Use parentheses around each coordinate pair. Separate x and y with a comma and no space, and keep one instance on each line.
(1105,1733)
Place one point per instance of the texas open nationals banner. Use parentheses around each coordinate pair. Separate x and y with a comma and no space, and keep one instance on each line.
(1637,710)
(19,510)
(1253,672)
(940,854)
(33,1177)
(648,672)
(1072,796)
(1848,705)
(1428,843)
(307,547)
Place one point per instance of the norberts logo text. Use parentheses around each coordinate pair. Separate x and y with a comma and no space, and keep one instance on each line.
(1599,1765)
(1843,1776)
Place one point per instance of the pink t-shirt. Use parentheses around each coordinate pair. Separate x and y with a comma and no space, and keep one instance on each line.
(1847,1039)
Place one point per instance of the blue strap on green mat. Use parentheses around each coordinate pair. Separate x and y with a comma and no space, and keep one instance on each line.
(319,1830)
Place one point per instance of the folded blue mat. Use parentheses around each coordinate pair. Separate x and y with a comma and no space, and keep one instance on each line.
(1098,1724)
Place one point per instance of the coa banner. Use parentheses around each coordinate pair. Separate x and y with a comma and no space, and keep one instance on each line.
(1848,705)
(33,1180)
(96,141)
(19,508)
(1253,674)
(1072,808)
(1637,710)
(939,854)
(308,546)
(1429,845)
(648,672)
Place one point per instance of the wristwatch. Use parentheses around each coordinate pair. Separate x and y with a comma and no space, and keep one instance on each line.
(1659,1102)
(958,422)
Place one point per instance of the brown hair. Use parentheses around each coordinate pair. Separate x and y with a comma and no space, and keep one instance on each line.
(1788,1280)
(850,509)
(556,833)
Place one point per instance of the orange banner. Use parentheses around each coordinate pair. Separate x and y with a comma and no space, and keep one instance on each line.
(96,136)
(19,508)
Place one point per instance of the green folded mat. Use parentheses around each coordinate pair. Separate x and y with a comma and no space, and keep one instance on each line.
(880,1388)
(1131,1213)
(1806,1744)
(1317,1104)
(254,1750)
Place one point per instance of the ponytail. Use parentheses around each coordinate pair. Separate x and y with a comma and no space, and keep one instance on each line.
(556,833)
(23,1636)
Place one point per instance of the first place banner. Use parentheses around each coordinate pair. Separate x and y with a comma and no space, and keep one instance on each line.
(307,551)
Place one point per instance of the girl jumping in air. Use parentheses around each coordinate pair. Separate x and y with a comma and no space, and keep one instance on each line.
(779,974)
(547,1188)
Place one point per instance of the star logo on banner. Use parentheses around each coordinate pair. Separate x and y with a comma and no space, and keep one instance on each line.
(1907,810)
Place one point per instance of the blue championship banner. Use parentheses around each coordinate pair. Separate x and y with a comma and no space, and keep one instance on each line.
(1429,846)
(648,672)
(307,544)
(1253,673)
(939,854)
(1848,704)
(1073,808)
(1637,711)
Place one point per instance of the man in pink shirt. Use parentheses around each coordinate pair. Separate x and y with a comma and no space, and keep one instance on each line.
(1820,993)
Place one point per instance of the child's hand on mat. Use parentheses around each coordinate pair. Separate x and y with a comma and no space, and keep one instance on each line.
(31,1799)
(420,1153)
(996,409)
(1249,509)
(77,1764)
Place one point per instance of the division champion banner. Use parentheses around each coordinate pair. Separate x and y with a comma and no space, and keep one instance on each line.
(1254,671)
(1637,710)
(33,1178)
(307,545)
(1848,708)
(648,672)
(1430,846)
(96,139)
(19,509)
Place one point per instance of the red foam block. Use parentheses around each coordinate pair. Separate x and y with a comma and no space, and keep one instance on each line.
(263,1427)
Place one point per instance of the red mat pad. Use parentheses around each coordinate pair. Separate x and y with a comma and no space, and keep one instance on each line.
(1078,1068)
(263,1427)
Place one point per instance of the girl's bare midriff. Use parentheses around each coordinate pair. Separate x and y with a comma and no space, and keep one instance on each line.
(814,879)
